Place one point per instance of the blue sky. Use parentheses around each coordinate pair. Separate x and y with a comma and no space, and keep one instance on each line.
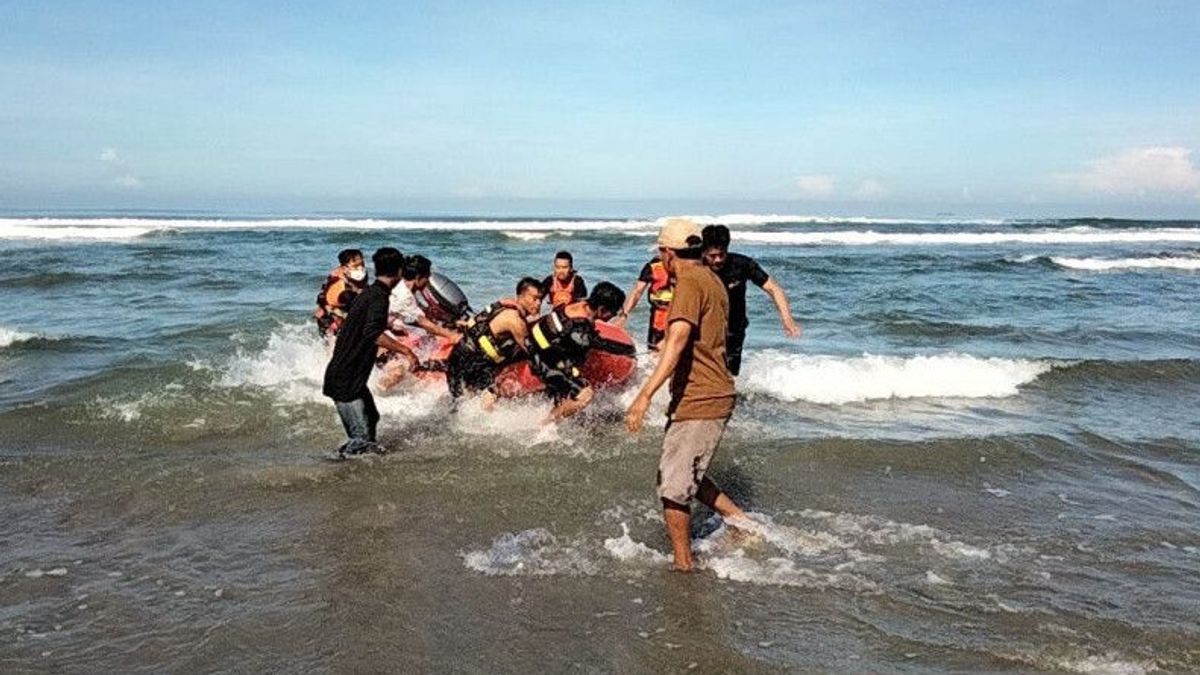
(839,107)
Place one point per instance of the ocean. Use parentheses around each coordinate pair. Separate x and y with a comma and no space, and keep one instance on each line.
(982,454)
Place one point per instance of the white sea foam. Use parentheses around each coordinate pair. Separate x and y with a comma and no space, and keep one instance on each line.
(933,579)
(527,236)
(1060,236)
(10,336)
(126,228)
(957,549)
(860,553)
(11,230)
(534,552)
(751,219)
(291,366)
(1107,664)
(783,572)
(840,380)
(1103,265)
(625,549)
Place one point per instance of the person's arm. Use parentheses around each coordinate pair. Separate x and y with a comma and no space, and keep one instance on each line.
(434,329)
(679,332)
(631,302)
(779,297)
(376,325)
(570,405)
(392,344)
(579,292)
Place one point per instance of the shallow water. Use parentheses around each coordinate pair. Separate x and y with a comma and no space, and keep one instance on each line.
(982,455)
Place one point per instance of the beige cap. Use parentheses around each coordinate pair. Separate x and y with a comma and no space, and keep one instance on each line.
(677,233)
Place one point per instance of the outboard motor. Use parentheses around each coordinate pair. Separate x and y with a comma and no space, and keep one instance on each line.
(443,301)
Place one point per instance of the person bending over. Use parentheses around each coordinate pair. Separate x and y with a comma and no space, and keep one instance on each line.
(493,339)
(354,353)
(559,343)
(735,270)
(403,312)
(702,393)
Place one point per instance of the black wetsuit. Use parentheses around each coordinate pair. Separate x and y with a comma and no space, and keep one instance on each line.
(478,357)
(558,345)
(737,270)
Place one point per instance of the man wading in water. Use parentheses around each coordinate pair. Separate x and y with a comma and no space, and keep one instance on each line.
(702,394)
(354,354)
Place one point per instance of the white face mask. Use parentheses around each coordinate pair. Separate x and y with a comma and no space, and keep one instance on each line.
(357,274)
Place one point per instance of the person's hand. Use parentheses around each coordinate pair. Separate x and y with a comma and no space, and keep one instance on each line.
(414,364)
(791,328)
(636,414)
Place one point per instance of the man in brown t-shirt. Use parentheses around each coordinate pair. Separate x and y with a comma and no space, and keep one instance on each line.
(702,393)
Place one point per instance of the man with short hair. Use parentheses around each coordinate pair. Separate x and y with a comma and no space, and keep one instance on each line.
(338,292)
(702,392)
(403,308)
(735,270)
(494,338)
(565,285)
(559,343)
(354,353)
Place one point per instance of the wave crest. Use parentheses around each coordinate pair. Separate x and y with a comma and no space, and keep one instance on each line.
(10,336)
(1104,265)
(834,380)
(1075,235)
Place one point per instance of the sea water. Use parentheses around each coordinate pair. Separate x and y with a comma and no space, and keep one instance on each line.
(982,454)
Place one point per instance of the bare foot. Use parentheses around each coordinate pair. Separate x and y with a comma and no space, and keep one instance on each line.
(676,567)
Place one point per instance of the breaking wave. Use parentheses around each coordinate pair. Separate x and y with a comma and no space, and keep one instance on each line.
(9,336)
(839,380)
(1074,235)
(1104,265)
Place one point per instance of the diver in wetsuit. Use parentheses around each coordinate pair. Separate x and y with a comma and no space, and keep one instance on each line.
(559,343)
(493,339)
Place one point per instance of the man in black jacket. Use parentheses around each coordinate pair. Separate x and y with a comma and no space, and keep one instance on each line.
(355,352)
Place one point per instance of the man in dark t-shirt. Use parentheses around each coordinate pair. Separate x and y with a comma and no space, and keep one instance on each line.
(735,270)
(354,354)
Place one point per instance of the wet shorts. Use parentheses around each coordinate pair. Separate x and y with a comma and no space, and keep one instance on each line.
(687,450)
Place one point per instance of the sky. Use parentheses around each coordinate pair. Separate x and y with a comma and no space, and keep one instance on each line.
(873,108)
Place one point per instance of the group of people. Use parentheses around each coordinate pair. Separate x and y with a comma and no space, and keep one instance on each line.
(698,322)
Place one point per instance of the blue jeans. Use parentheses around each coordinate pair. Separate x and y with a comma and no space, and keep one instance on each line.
(359,417)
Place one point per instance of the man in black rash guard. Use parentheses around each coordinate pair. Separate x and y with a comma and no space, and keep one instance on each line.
(735,270)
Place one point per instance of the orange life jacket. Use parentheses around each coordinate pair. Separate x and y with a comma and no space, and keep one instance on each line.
(562,294)
(662,291)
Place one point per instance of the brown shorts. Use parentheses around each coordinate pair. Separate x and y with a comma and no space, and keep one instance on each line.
(687,450)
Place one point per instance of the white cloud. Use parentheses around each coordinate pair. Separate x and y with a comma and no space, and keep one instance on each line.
(870,190)
(120,174)
(816,186)
(1139,171)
